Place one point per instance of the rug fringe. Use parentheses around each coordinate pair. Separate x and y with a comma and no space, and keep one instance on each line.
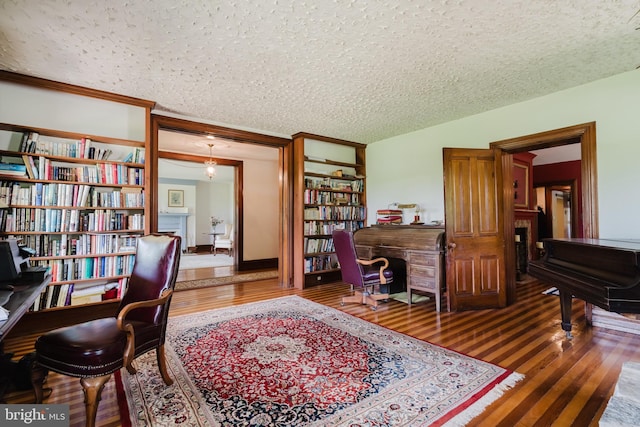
(481,404)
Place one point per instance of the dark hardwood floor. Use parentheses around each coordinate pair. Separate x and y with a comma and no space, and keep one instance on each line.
(567,382)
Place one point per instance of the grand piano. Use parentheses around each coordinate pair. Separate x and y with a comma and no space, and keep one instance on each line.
(602,272)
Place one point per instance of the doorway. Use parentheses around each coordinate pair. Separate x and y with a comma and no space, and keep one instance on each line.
(583,134)
(260,213)
(559,213)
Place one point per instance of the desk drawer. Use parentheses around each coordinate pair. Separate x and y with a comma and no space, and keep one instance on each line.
(423,283)
(420,271)
(423,259)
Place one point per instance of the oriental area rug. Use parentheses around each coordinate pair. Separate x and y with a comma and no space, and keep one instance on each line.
(292,362)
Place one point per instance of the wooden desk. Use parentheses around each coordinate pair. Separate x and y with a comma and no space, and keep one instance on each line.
(421,247)
(24,294)
(23,297)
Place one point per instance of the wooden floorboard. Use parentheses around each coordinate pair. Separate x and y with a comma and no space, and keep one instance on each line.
(567,382)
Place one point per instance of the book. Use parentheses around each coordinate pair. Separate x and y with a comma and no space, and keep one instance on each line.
(87,148)
(32,142)
(12,167)
(28,163)
(389,212)
(24,142)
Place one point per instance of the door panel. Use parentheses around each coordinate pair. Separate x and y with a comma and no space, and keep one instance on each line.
(474,228)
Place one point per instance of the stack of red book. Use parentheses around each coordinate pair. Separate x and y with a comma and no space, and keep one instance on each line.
(389,216)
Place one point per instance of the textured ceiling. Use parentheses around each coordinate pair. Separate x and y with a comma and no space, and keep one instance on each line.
(358,70)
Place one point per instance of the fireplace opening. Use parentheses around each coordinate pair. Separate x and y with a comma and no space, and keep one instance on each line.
(521,253)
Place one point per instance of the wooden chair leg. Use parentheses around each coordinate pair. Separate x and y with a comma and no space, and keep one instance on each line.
(162,365)
(357,297)
(38,377)
(92,390)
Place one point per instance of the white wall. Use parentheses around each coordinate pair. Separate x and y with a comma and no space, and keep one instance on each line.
(30,106)
(408,168)
(261,209)
(214,199)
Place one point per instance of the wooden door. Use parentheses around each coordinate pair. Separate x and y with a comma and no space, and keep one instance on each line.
(474,228)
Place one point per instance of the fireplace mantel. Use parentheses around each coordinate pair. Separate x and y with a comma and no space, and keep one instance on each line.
(528,219)
(175,223)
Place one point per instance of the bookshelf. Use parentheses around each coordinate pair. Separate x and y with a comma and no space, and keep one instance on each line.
(79,202)
(329,193)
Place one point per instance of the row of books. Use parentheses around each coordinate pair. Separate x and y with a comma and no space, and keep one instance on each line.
(124,198)
(52,245)
(335,184)
(312,245)
(41,194)
(70,269)
(100,173)
(319,263)
(77,294)
(316,228)
(67,195)
(335,213)
(69,220)
(136,156)
(92,244)
(320,197)
(84,148)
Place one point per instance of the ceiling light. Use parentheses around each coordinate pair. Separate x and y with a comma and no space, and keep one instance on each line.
(210,170)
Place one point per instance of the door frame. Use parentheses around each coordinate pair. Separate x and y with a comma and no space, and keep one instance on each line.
(238,205)
(585,135)
(285,156)
(562,185)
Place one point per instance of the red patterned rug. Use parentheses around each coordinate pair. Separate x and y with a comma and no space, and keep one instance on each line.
(292,362)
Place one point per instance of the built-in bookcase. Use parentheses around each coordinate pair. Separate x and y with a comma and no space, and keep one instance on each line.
(329,194)
(73,186)
(78,203)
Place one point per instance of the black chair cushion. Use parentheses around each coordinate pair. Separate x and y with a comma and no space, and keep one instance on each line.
(89,349)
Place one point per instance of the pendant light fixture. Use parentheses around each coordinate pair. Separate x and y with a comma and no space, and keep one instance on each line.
(210,170)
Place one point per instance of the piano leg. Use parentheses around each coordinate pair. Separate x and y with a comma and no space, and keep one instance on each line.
(565,311)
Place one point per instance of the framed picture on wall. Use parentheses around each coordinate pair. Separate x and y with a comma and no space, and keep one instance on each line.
(176,198)
(521,185)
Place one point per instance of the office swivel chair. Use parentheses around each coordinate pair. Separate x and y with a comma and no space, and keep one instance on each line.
(364,276)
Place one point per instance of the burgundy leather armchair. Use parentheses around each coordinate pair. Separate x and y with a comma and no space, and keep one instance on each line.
(364,276)
(94,350)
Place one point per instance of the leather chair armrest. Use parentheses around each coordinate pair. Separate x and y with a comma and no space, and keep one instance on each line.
(385,264)
(129,351)
(140,304)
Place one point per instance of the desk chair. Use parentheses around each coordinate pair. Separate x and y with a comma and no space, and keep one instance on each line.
(364,276)
(94,350)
